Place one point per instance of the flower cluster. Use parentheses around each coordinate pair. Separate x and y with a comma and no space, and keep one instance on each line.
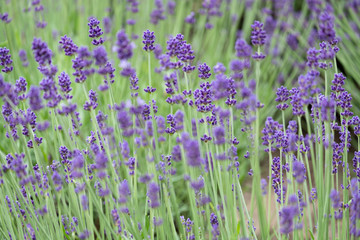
(95,31)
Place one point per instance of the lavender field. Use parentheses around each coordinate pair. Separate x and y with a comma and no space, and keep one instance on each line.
(180,119)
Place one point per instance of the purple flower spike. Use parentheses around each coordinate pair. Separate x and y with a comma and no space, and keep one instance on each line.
(171,7)
(77,165)
(153,195)
(124,191)
(158,13)
(219,134)
(193,153)
(123,46)
(82,64)
(95,31)
(20,88)
(219,68)
(92,104)
(23,57)
(198,185)
(338,83)
(34,98)
(312,58)
(5,17)
(258,56)
(64,83)
(297,102)
(355,209)
(356,122)
(326,26)
(299,171)
(335,198)
(282,96)
(68,45)
(287,215)
(41,52)
(258,35)
(5,60)
(149,39)
(204,71)
(134,81)
(242,49)
(190,18)
(133,6)
(84,235)
(100,56)
(107,24)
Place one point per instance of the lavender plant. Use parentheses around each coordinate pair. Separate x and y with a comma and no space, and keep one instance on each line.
(179,120)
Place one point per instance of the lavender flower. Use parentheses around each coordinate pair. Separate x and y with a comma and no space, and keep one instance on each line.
(312,58)
(145,178)
(133,6)
(188,225)
(313,194)
(193,154)
(177,47)
(171,7)
(23,57)
(204,97)
(204,71)
(356,122)
(100,56)
(107,24)
(124,191)
(297,102)
(153,195)
(20,88)
(123,46)
(282,96)
(276,179)
(157,14)
(18,166)
(338,83)
(243,50)
(287,215)
(258,35)
(326,26)
(271,132)
(134,80)
(77,164)
(190,18)
(64,83)
(5,17)
(95,31)
(101,161)
(219,68)
(68,45)
(31,231)
(335,198)
(292,41)
(84,235)
(41,52)
(82,64)
(215,225)
(299,171)
(354,208)
(149,39)
(5,60)
(35,99)
(263,186)
(198,185)
(92,104)
(219,134)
